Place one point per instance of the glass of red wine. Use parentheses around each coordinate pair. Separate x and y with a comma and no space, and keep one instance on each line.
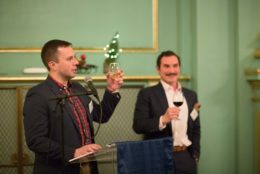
(178,99)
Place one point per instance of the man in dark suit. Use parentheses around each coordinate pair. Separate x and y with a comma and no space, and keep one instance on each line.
(53,143)
(156,116)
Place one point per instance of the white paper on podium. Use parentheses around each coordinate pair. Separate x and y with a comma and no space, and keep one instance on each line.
(103,154)
(86,154)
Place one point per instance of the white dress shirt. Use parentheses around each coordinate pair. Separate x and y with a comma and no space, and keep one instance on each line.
(179,126)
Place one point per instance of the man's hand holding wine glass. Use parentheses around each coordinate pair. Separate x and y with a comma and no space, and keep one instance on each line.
(178,100)
(114,70)
(172,113)
(114,77)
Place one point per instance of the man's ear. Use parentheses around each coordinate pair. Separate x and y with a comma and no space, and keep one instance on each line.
(52,65)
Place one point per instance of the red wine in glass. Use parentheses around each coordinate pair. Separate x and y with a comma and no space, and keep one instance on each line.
(178,103)
(178,99)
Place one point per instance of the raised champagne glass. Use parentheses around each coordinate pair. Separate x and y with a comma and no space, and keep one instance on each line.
(114,69)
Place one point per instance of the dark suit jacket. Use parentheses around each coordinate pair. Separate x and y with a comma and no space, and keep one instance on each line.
(42,124)
(151,104)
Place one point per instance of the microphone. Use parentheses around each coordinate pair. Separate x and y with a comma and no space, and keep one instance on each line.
(88,81)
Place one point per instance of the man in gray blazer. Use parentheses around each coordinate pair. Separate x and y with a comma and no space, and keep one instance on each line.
(156,115)
(52,143)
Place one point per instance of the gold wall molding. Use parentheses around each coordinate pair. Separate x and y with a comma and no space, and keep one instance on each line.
(252,71)
(25,79)
(256,99)
(257,53)
(154,47)
(255,85)
(257,143)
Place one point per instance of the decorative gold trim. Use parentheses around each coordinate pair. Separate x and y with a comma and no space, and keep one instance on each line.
(257,142)
(15,79)
(155,25)
(257,53)
(255,83)
(251,71)
(98,49)
(256,99)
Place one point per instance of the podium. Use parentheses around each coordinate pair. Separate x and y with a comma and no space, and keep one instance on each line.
(106,159)
(134,157)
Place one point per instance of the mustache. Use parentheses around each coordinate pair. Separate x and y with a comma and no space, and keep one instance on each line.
(171,74)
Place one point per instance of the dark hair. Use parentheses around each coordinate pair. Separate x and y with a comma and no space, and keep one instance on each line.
(166,54)
(49,50)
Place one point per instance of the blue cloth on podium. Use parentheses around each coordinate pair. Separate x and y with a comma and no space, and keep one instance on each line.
(145,157)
